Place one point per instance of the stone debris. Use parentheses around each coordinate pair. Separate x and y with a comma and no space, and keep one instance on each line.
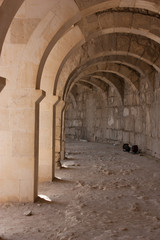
(28,213)
(68,164)
(91,204)
(123,229)
(135,207)
(83,140)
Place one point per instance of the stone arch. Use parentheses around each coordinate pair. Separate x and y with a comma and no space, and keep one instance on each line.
(114,85)
(89,8)
(128,73)
(125,50)
(25,56)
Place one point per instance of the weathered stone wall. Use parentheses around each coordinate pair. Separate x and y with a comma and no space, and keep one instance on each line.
(98,116)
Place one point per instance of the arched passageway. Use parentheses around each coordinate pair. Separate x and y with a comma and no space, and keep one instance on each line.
(54,53)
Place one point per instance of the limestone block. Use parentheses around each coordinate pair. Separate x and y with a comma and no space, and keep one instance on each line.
(129,124)
(137,46)
(151,51)
(125,112)
(76,123)
(4,119)
(134,111)
(117,124)
(120,135)
(138,125)
(140,140)
(72,131)
(122,19)
(123,42)
(92,25)
(23,144)
(106,20)
(140,21)
(128,3)
(21,30)
(110,121)
(19,120)
(109,43)
(155,23)
(9,190)
(5,146)
(114,135)
(26,191)
(125,137)
(132,138)
(45,173)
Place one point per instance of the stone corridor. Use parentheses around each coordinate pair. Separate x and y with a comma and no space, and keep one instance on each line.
(101,193)
(77,69)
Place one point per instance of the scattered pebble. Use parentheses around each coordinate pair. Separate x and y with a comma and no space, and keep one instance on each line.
(28,213)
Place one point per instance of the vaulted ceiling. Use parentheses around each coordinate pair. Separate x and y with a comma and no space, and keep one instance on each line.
(56,44)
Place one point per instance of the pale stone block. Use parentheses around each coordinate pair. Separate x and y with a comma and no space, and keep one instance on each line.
(23,144)
(129,124)
(21,30)
(128,3)
(111,121)
(19,118)
(125,112)
(122,19)
(13,58)
(5,143)
(9,190)
(117,124)
(16,168)
(45,173)
(134,111)
(106,20)
(27,192)
(46,155)
(4,119)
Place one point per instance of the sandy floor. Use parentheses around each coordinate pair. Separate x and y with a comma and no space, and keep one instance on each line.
(101,193)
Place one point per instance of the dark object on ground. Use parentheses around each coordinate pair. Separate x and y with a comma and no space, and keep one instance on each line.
(126,147)
(135,149)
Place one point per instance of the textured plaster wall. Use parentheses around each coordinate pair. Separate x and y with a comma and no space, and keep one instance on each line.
(99,116)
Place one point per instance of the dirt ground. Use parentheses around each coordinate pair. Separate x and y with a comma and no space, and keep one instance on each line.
(101,193)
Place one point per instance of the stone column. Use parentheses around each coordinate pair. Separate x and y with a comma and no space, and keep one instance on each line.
(46,151)
(62,154)
(58,132)
(19,144)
